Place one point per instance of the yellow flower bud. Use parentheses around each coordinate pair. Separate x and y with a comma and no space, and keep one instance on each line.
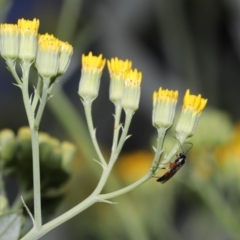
(164,105)
(117,69)
(192,108)
(47,62)
(66,51)
(28,39)
(92,67)
(9,41)
(132,90)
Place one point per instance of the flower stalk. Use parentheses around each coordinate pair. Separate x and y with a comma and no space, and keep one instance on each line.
(23,39)
(21,43)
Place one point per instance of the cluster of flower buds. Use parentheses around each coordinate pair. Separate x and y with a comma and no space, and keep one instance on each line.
(55,160)
(125,90)
(164,105)
(21,41)
(55,156)
(124,85)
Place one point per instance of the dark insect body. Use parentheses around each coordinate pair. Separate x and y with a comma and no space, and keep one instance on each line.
(174,167)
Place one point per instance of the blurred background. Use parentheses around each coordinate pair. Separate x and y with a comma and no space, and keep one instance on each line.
(177,45)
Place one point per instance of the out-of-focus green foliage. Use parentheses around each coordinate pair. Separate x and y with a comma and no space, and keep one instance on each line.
(16,162)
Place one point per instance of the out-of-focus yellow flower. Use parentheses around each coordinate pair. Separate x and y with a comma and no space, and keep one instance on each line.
(216,145)
(229,153)
(192,108)
(135,165)
(164,105)
(92,67)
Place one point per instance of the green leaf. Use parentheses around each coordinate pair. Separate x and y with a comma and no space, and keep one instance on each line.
(10,225)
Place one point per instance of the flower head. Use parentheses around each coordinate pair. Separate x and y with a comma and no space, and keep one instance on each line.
(117,68)
(9,41)
(164,105)
(47,61)
(131,94)
(28,38)
(192,108)
(92,63)
(66,51)
(92,67)
(194,103)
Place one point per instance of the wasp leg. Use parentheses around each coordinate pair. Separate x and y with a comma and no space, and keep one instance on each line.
(171,164)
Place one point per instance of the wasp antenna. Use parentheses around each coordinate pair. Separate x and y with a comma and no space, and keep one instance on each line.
(179,143)
(189,148)
(184,143)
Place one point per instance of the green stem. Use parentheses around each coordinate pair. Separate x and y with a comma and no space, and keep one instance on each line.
(36,179)
(88,112)
(128,119)
(35,145)
(37,93)
(114,154)
(157,157)
(93,198)
(73,124)
(126,189)
(25,80)
(116,128)
(11,65)
(43,101)
(34,234)
(18,201)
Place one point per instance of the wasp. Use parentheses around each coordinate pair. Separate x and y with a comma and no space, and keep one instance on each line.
(174,166)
